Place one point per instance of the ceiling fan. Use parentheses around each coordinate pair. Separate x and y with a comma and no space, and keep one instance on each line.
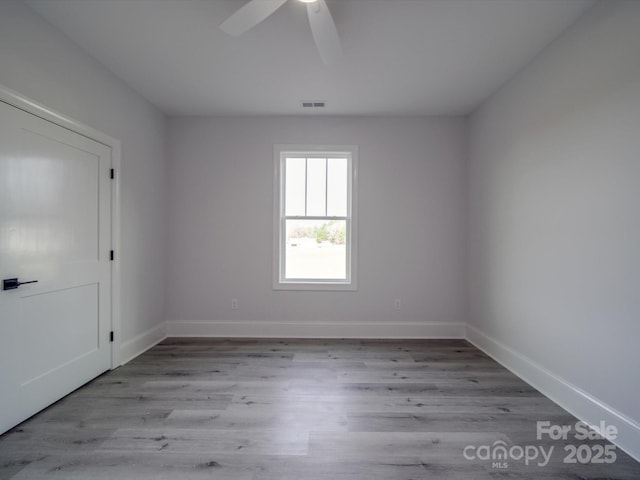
(322,25)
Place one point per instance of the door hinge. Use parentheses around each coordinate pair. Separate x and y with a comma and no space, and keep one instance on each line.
(111,336)
(112,255)
(113,173)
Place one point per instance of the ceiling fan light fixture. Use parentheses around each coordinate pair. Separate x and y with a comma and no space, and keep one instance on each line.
(323,28)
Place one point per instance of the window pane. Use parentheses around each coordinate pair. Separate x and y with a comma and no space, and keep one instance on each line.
(316,249)
(294,183)
(337,187)
(316,186)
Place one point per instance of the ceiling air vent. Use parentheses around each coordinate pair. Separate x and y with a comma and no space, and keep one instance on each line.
(312,104)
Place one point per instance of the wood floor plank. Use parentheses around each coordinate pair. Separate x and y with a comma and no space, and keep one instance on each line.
(398,444)
(532,406)
(131,466)
(107,466)
(425,376)
(47,439)
(180,440)
(258,419)
(446,422)
(358,355)
(219,387)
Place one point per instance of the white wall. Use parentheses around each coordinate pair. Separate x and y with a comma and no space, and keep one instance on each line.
(39,62)
(555,220)
(411,219)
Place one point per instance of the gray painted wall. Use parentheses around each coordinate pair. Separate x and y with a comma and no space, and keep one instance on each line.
(411,221)
(41,63)
(554,181)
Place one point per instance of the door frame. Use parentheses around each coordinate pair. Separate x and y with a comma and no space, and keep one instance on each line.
(15,99)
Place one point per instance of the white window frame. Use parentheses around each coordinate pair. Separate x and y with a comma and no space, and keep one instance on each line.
(280,153)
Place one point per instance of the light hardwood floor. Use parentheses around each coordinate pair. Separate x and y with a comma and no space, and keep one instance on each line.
(296,409)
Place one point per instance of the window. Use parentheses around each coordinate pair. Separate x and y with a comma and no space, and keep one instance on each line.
(314,218)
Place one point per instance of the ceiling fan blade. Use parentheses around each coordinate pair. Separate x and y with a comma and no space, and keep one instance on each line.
(250,15)
(324,32)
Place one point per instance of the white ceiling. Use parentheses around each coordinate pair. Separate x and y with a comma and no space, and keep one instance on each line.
(402,57)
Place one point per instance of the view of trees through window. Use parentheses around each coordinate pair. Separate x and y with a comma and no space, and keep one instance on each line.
(333,232)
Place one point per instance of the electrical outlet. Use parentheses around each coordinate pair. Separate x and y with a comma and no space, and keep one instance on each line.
(234,304)
(396,304)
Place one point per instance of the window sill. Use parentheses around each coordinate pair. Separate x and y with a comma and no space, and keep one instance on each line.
(316,286)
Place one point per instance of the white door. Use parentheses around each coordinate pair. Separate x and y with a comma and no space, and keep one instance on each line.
(55,227)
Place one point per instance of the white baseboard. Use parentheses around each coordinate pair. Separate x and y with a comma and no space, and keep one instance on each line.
(315,330)
(130,349)
(573,399)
